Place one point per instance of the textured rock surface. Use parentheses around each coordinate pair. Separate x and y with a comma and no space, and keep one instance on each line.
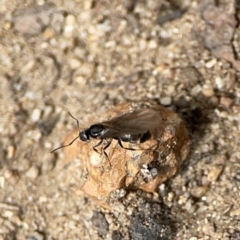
(86,57)
(146,167)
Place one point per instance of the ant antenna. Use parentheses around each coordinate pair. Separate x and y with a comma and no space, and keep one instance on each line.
(74,119)
(65,145)
(72,140)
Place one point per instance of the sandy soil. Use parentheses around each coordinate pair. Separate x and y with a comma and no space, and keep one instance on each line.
(87,56)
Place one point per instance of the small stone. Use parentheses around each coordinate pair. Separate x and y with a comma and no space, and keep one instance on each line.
(116,235)
(104,27)
(7,25)
(211,63)
(226,102)
(208,229)
(86,69)
(214,173)
(199,191)
(36,114)
(151,223)
(219,82)
(220,159)
(100,223)
(68,30)
(235,212)
(152,44)
(80,80)
(2,182)
(36,236)
(142,44)
(43,199)
(11,176)
(74,63)
(27,67)
(70,20)
(11,151)
(33,172)
(47,111)
(196,90)
(48,33)
(207,92)
(166,101)
(87,4)
(8,173)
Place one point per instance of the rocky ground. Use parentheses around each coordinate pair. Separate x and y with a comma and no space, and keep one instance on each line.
(87,56)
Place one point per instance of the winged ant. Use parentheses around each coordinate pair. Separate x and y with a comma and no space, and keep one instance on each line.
(132,127)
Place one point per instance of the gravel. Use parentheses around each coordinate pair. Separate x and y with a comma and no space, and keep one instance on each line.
(88,56)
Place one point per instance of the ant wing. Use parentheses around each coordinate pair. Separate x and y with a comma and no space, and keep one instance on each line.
(136,122)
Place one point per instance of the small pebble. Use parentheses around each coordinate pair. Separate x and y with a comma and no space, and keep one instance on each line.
(11,176)
(211,63)
(47,111)
(86,69)
(7,25)
(87,4)
(36,114)
(214,173)
(100,223)
(2,182)
(207,92)
(235,212)
(199,191)
(33,172)
(70,20)
(152,44)
(196,90)
(142,44)
(48,33)
(36,236)
(116,235)
(74,63)
(219,82)
(226,102)
(166,101)
(11,151)
(8,173)
(28,67)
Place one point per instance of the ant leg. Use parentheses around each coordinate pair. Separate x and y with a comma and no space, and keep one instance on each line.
(120,143)
(104,148)
(98,144)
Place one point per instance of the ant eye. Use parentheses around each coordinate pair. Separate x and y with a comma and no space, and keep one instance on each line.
(84,136)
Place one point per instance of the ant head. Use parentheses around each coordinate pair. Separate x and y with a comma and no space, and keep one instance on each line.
(84,135)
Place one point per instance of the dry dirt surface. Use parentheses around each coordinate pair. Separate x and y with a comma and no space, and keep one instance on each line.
(87,56)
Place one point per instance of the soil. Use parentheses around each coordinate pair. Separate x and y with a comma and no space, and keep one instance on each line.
(87,56)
